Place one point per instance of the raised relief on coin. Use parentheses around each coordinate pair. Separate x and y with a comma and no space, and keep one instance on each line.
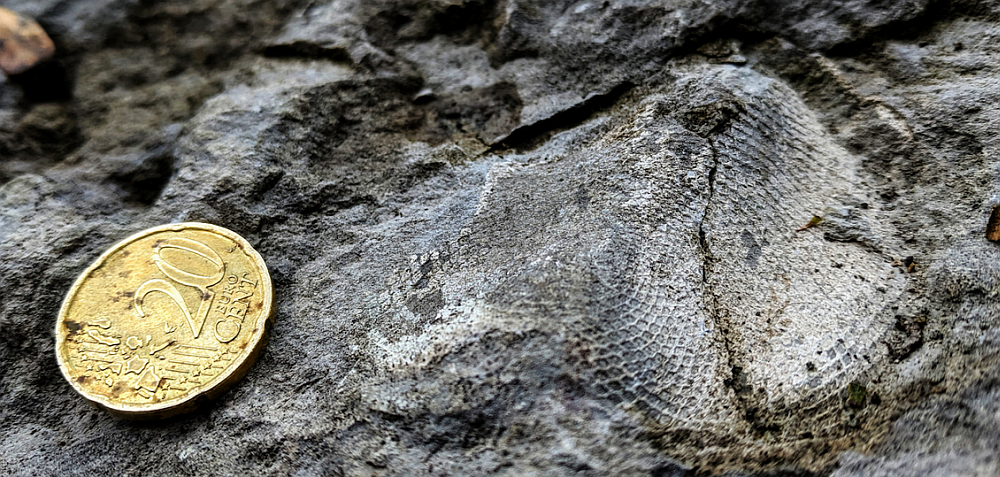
(165,316)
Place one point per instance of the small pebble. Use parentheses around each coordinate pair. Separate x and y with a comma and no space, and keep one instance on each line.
(993,225)
(23,43)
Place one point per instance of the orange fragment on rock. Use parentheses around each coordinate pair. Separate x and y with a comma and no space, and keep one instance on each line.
(816,220)
(23,43)
(993,225)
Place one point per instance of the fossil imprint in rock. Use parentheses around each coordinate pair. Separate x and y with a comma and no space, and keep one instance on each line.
(665,251)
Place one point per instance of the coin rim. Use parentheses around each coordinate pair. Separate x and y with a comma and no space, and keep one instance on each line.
(225,379)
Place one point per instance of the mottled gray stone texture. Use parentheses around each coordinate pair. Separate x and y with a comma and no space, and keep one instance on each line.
(526,237)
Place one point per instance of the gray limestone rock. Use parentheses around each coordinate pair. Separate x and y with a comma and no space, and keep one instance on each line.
(529,238)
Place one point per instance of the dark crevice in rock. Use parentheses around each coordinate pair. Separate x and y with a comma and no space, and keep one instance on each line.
(48,82)
(702,236)
(310,51)
(737,380)
(142,181)
(709,119)
(531,136)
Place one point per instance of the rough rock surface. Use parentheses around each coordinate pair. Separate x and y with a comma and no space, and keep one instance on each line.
(529,238)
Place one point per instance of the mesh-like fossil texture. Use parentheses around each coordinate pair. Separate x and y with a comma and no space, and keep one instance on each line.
(666,254)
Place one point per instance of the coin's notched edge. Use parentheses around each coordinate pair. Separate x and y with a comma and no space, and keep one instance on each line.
(230,377)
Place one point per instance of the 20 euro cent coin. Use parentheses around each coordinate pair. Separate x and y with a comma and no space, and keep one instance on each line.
(164,319)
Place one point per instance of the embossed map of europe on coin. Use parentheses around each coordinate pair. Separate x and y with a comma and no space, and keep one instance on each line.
(164,319)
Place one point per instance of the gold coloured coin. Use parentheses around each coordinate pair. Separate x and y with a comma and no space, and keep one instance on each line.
(164,319)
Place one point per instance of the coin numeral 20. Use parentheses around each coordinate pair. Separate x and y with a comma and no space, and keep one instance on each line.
(184,277)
